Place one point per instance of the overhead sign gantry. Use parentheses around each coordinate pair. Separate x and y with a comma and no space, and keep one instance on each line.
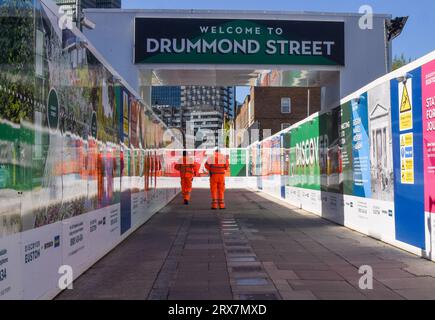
(236,48)
(238,41)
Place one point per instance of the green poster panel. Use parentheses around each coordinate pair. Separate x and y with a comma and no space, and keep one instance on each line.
(285,151)
(304,156)
(238,163)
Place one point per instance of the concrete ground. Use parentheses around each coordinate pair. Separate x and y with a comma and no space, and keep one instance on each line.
(255,249)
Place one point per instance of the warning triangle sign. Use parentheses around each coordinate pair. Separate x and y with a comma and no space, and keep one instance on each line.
(405,105)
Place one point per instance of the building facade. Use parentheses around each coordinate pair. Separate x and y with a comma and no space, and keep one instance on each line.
(220,98)
(274,109)
(194,108)
(166,103)
(111,4)
(206,124)
(69,6)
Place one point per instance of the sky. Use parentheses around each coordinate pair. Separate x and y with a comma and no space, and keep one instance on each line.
(417,39)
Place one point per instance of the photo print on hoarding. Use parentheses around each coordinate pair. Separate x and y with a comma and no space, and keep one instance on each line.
(381,155)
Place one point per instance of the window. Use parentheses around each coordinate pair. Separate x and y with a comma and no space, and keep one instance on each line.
(285,125)
(286,105)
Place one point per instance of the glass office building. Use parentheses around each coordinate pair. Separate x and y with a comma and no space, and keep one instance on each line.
(69,6)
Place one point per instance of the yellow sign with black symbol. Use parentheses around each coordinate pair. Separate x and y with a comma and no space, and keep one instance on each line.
(406,139)
(407,158)
(405,108)
(405,104)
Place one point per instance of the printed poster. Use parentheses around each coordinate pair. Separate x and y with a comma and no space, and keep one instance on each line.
(428,100)
(381,154)
(360,148)
(407,158)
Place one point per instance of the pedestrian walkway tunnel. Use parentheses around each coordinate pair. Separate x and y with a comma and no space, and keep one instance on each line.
(84,161)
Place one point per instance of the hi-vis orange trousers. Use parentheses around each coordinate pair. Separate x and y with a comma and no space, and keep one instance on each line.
(186,187)
(217,188)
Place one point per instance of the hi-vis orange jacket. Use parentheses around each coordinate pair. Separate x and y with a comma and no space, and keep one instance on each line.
(187,166)
(217,163)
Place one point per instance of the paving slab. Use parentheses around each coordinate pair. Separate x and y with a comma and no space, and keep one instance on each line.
(259,248)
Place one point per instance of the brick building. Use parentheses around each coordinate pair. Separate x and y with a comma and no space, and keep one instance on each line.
(276,108)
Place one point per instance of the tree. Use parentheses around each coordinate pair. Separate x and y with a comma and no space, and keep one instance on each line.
(228,127)
(16,59)
(399,62)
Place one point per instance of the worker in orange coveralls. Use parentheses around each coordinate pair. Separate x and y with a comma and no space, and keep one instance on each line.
(100,178)
(217,165)
(188,169)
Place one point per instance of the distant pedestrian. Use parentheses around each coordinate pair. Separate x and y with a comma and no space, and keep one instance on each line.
(188,170)
(217,165)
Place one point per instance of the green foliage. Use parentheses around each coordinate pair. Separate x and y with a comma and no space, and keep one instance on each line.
(227,127)
(13,107)
(399,62)
(16,59)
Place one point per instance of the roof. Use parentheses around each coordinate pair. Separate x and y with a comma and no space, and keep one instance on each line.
(226,13)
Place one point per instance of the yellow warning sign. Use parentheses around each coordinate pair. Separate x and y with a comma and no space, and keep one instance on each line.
(407,158)
(409,164)
(406,140)
(408,177)
(405,121)
(405,105)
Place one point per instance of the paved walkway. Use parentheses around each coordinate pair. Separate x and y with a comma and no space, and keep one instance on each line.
(256,249)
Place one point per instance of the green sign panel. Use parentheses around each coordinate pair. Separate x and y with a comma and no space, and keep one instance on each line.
(238,162)
(53,110)
(305,156)
(224,41)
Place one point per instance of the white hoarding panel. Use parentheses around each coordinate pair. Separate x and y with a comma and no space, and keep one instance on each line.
(41,257)
(310,200)
(10,268)
(381,220)
(136,208)
(114,222)
(98,225)
(75,248)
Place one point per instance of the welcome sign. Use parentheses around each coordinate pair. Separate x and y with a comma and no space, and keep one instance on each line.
(222,41)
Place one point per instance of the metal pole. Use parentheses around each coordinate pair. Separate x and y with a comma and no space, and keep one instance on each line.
(79,14)
(308,103)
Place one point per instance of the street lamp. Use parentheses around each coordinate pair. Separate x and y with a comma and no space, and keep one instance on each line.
(395,27)
(80,19)
(404,78)
(78,14)
(183,134)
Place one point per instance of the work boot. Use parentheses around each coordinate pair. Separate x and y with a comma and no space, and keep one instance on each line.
(186,202)
(214,204)
(221,204)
